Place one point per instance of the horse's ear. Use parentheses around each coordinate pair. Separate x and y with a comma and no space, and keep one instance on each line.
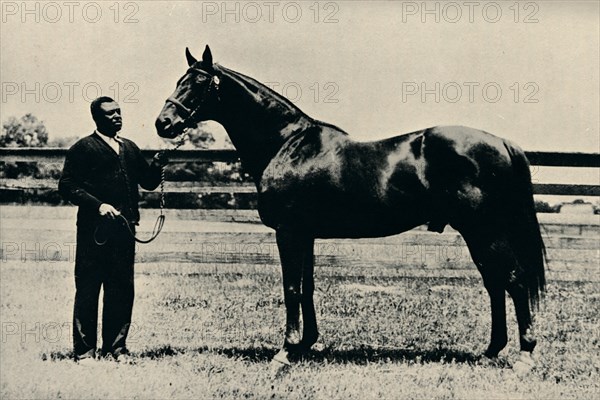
(190,58)
(207,60)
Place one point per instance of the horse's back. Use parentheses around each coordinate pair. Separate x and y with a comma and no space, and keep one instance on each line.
(466,141)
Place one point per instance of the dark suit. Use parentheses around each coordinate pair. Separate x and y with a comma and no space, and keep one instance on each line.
(94,174)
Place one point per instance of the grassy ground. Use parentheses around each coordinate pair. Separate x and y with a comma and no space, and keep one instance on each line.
(210,333)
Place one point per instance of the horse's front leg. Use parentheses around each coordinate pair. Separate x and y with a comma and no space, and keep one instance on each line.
(310,333)
(296,254)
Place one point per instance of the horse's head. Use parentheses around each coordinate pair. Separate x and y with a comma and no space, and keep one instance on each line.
(195,98)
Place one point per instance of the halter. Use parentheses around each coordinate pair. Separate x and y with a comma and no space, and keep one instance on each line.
(189,116)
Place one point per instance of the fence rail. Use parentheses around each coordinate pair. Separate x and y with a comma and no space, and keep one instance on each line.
(55,155)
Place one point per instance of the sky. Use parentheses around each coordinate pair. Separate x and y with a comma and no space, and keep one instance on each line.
(526,71)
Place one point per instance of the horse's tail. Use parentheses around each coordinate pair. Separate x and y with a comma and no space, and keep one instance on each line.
(524,231)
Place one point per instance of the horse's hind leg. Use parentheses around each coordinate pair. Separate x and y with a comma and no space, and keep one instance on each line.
(527,343)
(296,254)
(520,298)
(497,262)
(493,258)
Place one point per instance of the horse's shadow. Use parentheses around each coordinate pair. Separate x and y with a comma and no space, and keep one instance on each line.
(360,356)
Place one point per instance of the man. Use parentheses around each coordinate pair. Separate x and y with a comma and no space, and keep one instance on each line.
(101,175)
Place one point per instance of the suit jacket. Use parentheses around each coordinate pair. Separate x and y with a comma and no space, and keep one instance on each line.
(94,174)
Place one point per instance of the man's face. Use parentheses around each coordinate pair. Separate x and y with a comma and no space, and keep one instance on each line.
(109,118)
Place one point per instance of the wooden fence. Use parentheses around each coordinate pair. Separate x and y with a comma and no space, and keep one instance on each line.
(53,155)
(198,240)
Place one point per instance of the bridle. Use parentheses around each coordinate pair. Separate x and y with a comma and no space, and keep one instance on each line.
(189,121)
(189,116)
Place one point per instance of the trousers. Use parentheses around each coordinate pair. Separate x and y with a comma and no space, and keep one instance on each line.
(110,266)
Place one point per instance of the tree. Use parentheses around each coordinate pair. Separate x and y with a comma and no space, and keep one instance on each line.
(63,142)
(26,131)
(544,207)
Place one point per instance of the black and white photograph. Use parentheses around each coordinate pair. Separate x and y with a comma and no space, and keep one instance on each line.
(300,199)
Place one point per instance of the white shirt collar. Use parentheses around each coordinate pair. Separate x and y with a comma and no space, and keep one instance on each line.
(107,138)
(113,142)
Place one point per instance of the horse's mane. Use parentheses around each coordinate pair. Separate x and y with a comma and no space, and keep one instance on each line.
(258,87)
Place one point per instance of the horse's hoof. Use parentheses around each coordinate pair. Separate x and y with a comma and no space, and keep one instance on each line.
(524,364)
(319,347)
(493,362)
(279,364)
(281,358)
(488,361)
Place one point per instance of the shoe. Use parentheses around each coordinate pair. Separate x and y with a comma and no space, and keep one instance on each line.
(109,357)
(86,362)
(87,358)
(122,355)
(125,358)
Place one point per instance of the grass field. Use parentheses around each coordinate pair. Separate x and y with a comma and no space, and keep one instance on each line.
(395,320)
(209,332)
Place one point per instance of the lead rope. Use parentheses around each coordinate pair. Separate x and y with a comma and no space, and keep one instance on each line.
(189,121)
(160,220)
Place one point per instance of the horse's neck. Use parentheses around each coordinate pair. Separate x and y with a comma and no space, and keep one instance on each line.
(258,120)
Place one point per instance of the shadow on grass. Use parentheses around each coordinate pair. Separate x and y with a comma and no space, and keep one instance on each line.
(362,355)
(58,356)
(366,354)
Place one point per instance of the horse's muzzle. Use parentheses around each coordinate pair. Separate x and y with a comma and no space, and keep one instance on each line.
(166,128)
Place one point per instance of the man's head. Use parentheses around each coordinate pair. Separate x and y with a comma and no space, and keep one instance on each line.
(107,115)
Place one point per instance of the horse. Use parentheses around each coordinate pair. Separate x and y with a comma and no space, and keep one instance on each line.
(315,182)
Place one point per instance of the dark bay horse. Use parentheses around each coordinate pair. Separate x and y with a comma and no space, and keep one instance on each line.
(314,181)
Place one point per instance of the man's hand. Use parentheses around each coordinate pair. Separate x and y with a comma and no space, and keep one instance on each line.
(106,210)
(160,159)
